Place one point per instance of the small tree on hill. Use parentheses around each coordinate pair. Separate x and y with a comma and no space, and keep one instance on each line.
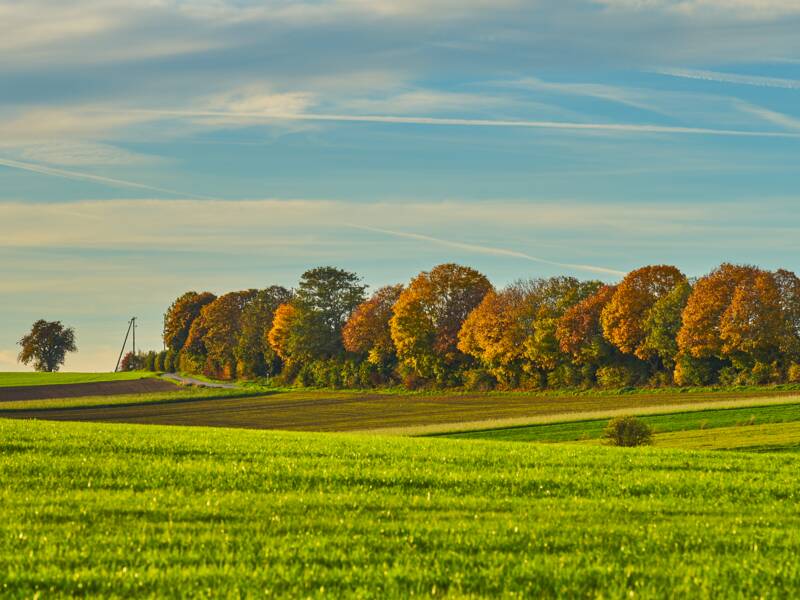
(47,345)
(628,432)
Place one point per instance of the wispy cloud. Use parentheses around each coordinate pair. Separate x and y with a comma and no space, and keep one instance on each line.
(734,78)
(481,249)
(771,116)
(77,175)
(459,122)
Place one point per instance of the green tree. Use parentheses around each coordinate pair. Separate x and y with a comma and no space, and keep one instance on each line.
(324,300)
(46,345)
(254,354)
(662,323)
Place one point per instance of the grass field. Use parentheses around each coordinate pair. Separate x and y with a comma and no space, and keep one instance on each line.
(682,421)
(30,378)
(121,510)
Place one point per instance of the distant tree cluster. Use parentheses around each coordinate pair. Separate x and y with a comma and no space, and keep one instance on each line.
(451,327)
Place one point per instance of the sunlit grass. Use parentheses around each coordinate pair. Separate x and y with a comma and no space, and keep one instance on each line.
(28,379)
(137,511)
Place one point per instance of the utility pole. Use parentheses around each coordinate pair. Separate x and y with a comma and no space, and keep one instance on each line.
(131,326)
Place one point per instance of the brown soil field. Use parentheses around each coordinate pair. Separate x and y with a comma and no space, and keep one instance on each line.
(320,410)
(80,390)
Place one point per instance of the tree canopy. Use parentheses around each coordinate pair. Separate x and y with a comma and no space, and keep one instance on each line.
(47,345)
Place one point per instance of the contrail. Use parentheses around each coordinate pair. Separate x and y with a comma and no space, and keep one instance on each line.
(490,250)
(37,168)
(735,78)
(612,127)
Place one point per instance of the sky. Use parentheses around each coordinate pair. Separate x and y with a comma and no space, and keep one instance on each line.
(150,148)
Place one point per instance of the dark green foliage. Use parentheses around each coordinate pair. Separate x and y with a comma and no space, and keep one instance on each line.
(47,345)
(628,432)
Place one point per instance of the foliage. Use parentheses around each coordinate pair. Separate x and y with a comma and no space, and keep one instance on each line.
(628,432)
(253,352)
(132,362)
(428,316)
(625,315)
(180,315)
(738,325)
(367,331)
(47,345)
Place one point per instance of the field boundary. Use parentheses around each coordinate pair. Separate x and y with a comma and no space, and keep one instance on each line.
(564,417)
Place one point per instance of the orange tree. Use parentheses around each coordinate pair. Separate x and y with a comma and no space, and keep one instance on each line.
(494,334)
(428,316)
(223,325)
(367,330)
(623,318)
(180,315)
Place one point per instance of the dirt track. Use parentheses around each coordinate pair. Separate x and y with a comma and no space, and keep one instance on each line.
(80,390)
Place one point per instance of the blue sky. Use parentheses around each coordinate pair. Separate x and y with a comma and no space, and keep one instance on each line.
(155,147)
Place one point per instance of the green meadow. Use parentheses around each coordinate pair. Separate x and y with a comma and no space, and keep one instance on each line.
(154,511)
(592,429)
(31,378)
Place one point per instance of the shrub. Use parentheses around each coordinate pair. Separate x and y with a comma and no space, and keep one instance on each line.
(150,361)
(793,373)
(615,377)
(628,432)
(479,380)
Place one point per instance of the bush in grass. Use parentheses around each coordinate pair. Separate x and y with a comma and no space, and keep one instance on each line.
(131,362)
(793,373)
(628,432)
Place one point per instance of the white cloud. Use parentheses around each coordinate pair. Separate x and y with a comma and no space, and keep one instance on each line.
(734,78)
(771,116)
(77,175)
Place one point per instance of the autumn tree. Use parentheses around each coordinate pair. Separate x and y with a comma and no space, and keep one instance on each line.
(494,333)
(46,345)
(623,318)
(222,319)
(789,291)
(254,355)
(428,316)
(662,323)
(547,300)
(180,315)
(367,330)
(280,334)
(753,326)
(699,335)
(579,332)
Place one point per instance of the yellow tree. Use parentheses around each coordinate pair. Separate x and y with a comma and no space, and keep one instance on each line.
(367,330)
(623,318)
(428,316)
(494,333)
(280,334)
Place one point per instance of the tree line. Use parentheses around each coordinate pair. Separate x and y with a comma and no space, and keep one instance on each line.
(449,327)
